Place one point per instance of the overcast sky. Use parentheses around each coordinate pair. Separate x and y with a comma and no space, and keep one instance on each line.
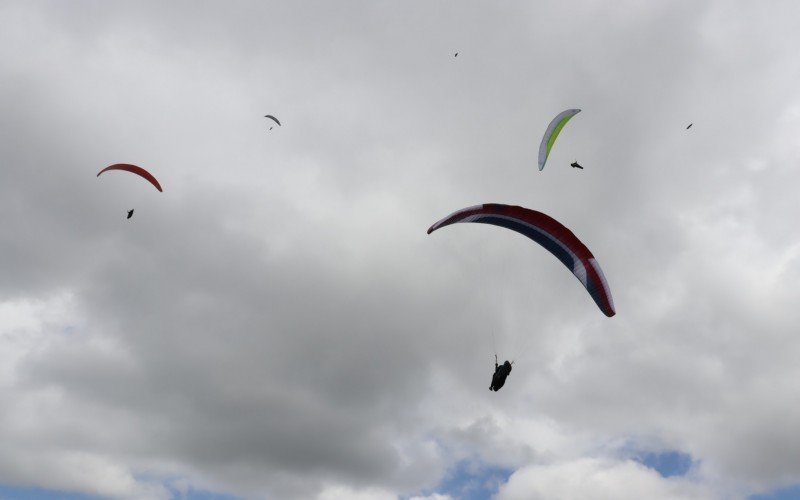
(277,323)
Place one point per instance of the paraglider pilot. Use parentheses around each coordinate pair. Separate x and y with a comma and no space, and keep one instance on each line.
(500,374)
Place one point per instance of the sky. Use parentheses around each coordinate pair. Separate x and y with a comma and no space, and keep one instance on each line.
(277,323)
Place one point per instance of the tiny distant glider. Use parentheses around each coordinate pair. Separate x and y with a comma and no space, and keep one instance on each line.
(273,119)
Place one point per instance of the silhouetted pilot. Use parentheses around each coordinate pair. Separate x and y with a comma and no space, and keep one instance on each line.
(500,374)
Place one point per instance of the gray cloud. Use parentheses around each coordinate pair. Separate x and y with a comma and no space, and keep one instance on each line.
(277,323)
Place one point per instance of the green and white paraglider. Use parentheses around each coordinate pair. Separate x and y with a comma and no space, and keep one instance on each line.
(552,132)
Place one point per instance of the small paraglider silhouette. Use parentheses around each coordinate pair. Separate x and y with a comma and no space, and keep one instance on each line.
(273,119)
(689,126)
(575,164)
(130,213)
(456,55)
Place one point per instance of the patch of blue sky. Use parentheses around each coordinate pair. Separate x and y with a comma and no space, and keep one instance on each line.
(192,494)
(31,493)
(786,493)
(8,492)
(180,488)
(472,480)
(667,463)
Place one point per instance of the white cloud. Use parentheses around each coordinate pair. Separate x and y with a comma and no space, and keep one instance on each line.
(598,479)
(348,493)
(435,496)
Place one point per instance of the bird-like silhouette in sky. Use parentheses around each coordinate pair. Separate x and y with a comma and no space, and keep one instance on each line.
(575,164)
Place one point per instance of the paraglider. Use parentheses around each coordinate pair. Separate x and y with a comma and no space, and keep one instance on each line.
(501,372)
(690,126)
(552,132)
(273,119)
(456,55)
(575,164)
(134,170)
(550,234)
(130,213)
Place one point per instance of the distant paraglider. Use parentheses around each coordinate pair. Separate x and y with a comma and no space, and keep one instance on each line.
(456,55)
(550,234)
(130,213)
(575,164)
(690,126)
(273,119)
(552,132)
(134,170)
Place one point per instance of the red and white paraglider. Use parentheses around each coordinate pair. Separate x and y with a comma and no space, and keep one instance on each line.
(550,234)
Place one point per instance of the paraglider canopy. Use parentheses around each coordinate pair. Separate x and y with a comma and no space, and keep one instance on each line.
(134,170)
(273,119)
(552,132)
(550,234)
